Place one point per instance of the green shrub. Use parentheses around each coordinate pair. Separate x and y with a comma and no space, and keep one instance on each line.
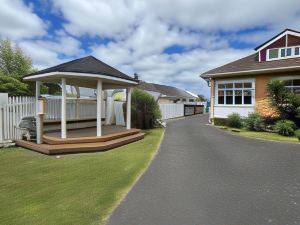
(144,109)
(287,103)
(254,122)
(285,127)
(220,121)
(297,134)
(234,120)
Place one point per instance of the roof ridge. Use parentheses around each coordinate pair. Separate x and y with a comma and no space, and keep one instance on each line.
(109,66)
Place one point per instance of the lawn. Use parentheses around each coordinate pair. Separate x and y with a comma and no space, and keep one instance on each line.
(73,189)
(267,136)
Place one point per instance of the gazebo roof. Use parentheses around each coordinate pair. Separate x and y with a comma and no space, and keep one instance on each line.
(82,72)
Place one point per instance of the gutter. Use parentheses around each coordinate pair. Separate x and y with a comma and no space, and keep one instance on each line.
(250,72)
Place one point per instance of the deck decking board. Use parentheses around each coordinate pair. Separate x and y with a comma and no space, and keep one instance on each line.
(88,139)
(80,147)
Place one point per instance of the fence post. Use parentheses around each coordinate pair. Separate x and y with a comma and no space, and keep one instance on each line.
(1,125)
(3,102)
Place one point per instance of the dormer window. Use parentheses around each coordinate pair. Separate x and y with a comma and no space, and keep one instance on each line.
(283,53)
(273,53)
(297,51)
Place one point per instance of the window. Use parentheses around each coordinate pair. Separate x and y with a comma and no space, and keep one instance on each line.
(247,85)
(238,97)
(221,97)
(281,53)
(229,97)
(238,85)
(273,53)
(288,51)
(247,97)
(293,85)
(235,93)
(297,51)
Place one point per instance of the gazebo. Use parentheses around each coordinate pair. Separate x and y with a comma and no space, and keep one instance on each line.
(86,72)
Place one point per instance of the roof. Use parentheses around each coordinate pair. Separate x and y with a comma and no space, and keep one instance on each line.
(276,36)
(89,65)
(167,91)
(250,65)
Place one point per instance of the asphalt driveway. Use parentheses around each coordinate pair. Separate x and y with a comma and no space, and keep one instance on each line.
(205,176)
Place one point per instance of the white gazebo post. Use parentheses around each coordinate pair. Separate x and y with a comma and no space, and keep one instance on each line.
(128,108)
(63,109)
(37,117)
(99,105)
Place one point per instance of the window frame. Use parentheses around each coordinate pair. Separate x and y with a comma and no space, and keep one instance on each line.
(293,51)
(233,89)
(292,86)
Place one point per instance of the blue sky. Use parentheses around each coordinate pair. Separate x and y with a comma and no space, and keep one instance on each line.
(168,42)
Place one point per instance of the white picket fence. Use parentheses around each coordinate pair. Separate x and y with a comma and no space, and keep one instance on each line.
(169,111)
(19,107)
(12,113)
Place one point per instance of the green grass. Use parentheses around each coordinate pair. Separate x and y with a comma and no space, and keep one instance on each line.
(263,135)
(74,189)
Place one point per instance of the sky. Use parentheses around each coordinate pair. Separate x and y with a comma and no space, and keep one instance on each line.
(168,42)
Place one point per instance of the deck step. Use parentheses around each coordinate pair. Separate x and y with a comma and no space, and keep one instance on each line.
(57,141)
(80,147)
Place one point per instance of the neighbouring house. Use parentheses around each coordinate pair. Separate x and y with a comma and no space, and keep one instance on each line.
(167,94)
(240,86)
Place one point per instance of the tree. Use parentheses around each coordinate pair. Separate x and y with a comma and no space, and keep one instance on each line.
(286,102)
(13,62)
(201,98)
(13,86)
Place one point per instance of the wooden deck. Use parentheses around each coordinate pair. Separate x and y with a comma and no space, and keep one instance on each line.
(84,140)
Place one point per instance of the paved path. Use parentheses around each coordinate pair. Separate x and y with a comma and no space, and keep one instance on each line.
(204,176)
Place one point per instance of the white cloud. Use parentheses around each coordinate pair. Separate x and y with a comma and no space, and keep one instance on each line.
(230,15)
(105,18)
(141,31)
(118,17)
(18,21)
(46,53)
(181,70)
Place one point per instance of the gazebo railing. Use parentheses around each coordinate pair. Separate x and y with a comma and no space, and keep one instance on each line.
(18,107)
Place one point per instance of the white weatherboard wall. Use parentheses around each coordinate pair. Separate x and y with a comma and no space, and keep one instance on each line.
(224,111)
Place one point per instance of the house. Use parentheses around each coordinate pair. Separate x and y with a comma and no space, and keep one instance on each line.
(240,86)
(167,94)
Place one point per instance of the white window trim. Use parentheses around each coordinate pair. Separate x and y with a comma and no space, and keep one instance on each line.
(286,78)
(279,53)
(233,89)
